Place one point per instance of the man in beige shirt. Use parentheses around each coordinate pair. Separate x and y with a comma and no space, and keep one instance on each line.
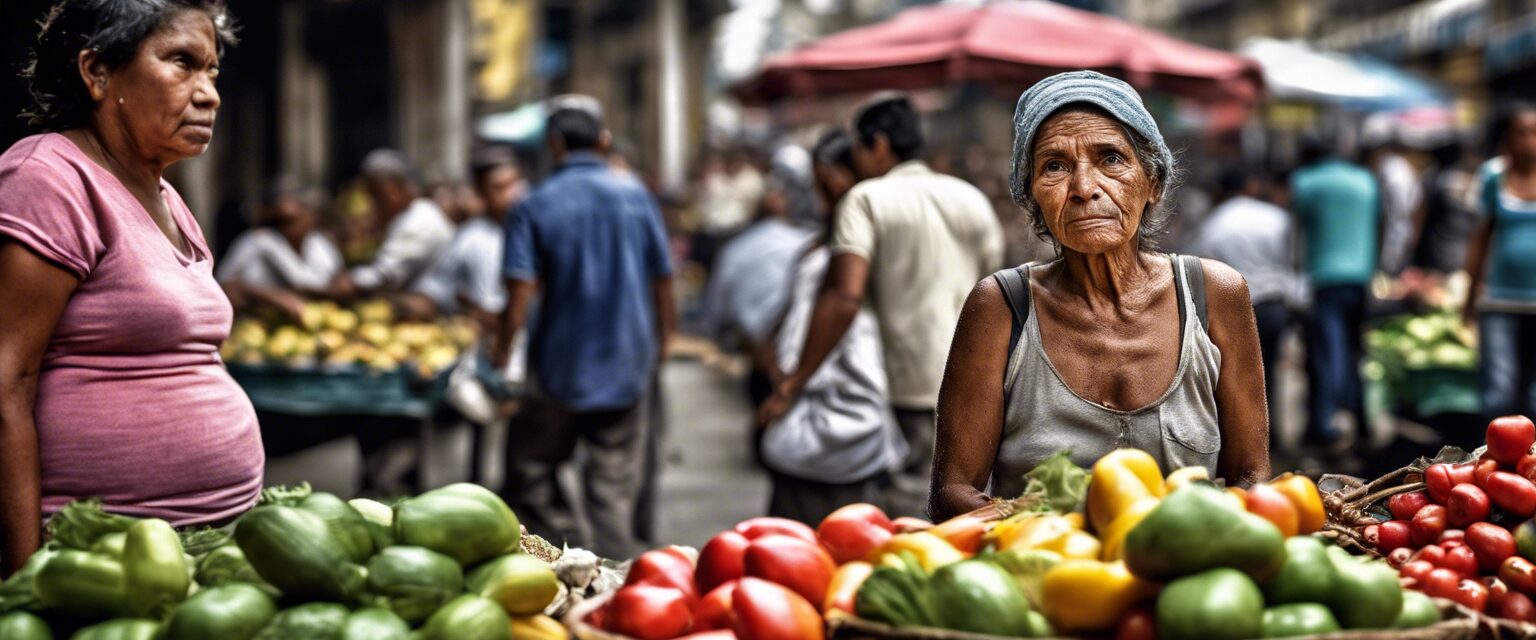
(911,244)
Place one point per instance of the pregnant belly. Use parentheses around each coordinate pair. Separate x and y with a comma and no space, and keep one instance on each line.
(180,444)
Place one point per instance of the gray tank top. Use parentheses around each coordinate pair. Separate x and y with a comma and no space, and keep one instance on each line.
(1042,415)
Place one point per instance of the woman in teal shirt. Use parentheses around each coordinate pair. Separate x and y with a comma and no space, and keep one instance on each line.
(1503,254)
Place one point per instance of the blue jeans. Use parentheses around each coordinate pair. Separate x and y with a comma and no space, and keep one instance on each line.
(1507,348)
(1333,357)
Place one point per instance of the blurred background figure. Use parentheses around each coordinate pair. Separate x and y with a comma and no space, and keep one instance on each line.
(415,228)
(285,256)
(1502,261)
(1337,204)
(1253,236)
(729,191)
(1402,192)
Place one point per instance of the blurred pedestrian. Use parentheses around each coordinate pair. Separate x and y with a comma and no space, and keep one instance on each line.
(1110,345)
(1253,236)
(110,381)
(416,228)
(730,190)
(1402,192)
(1450,214)
(591,243)
(839,439)
(285,256)
(914,243)
(1502,262)
(1337,204)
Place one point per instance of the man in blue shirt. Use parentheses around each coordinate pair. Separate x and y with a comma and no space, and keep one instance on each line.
(590,242)
(1338,209)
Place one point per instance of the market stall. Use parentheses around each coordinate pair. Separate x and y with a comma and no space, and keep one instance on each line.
(1440,549)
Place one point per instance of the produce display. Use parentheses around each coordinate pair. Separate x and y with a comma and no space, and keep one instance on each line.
(1464,532)
(364,334)
(444,565)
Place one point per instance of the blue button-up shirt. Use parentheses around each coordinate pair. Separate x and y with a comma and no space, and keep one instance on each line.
(595,240)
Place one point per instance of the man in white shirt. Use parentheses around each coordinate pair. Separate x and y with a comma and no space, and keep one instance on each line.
(416,231)
(466,275)
(911,244)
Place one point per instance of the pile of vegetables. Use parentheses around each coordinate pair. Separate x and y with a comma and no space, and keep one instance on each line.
(1438,340)
(1171,558)
(364,334)
(443,565)
(1465,534)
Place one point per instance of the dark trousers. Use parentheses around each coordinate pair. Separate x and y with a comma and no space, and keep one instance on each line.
(1271,318)
(542,439)
(907,494)
(1507,349)
(810,501)
(1333,358)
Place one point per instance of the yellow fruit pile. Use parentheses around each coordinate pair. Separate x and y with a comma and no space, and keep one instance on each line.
(365,334)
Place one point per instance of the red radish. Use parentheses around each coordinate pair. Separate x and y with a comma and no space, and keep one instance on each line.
(1399,557)
(1404,505)
(1510,438)
(1491,543)
(1467,504)
(1427,524)
(1512,493)
(1395,534)
(1462,560)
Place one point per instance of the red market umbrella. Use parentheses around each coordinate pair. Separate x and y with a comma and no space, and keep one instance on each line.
(1008,45)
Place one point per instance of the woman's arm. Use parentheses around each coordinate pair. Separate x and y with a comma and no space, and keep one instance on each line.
(1241,407)
(970,412)
(34,292)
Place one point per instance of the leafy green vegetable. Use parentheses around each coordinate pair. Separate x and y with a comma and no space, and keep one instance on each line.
(198,541)
(899,593)
(1060,483)
(80,523)
(285,495)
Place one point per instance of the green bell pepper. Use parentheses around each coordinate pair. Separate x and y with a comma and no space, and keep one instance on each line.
(1418,611)
(1300,619)
(978,596)
(17,591)
(1306,576)
(83,584)
(1163,546)
(348,527)
(1028,568)
(119,629)
(375,623)
(313,621)
(154,567)
(111,544)
(898,593)
(235,611)
(1366,593)
(468,617)
(1219,604)
(463,521)
(20,625)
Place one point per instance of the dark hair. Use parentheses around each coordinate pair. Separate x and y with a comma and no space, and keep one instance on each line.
(896,119)
(577,128)
(489,159)
(834,148)
(1502,121)
(1234,178)
(115,29)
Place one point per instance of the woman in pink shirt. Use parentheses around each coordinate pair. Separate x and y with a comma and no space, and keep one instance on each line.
(110,379)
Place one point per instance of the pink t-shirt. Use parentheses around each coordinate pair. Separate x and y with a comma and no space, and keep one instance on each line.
(133,403)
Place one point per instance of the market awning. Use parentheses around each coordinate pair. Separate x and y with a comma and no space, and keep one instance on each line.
(1295,71)
(1005,44)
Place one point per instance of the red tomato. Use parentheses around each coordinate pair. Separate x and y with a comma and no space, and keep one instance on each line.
(721,560)
(802,566)
(1267,502)
(667,567)
(1466,505)
(1395,534)
(1484,467)
(1417,570)
(1427,524)
(1513,606)
(853,531)
(1139,624)
(714,609)
(1519,574)
(1527,467)
(1399,557)
(1491,543)
(1404,505)
(1462,560)
(1371,534)
(1433,554)
(649,612)
(766,611)
(1512,493)
(1438,481)
(1440,583)
(755,528)
(1470,593)
(1510,438)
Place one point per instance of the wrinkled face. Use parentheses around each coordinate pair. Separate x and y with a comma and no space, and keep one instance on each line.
(167,93)
(1521,139)
(1091,189)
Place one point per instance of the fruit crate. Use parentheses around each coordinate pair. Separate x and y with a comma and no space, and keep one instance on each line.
(346,390)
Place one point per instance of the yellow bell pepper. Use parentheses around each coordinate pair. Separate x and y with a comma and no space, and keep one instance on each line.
(1076,520)
(1302,493)
(1186,475)
(1114,537)
(1086,596)
(1121,478)
(538,627)
(931,551)
(1049,533)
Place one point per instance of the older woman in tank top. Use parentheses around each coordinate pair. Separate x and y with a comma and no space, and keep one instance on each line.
(1109,345)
